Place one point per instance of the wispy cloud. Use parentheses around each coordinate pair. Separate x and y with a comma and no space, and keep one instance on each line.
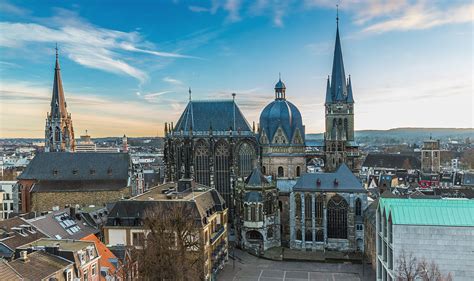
(154,96)
(8,8)
(173,81)
(86,44)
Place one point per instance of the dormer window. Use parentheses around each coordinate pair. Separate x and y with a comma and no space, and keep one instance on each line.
(109,172)
(336,182)
(318,182)
(92,171)
(75,172)
(55,172)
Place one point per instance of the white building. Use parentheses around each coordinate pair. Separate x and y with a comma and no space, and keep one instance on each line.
(433,230)
(6,198)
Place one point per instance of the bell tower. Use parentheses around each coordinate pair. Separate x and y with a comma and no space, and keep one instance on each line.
(340,146)
(59,133)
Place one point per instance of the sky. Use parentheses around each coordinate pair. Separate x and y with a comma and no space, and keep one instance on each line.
(127,66)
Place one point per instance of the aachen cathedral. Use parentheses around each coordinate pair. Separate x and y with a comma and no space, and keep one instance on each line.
(262,172)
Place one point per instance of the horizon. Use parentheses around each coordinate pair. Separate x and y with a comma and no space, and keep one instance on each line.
(131,76)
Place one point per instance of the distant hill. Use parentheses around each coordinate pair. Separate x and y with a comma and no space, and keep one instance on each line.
(408,134)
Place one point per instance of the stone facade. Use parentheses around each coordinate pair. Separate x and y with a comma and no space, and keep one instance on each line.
(45,201)
(430,157)
(310,232)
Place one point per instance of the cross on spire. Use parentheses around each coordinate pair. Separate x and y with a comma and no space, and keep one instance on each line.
(337,15)
(189,91)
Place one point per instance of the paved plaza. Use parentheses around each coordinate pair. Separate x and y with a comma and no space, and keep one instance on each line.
(250,268)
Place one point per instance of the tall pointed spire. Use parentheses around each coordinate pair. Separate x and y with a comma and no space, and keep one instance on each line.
(338,78)
(328,92)
(58,102)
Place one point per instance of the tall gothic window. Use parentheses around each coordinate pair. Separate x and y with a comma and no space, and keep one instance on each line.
(260,212)
(297,205)
(319,208)
(320,236)
(337,217)
(202,164)
(298,171)
(346,128)
(281,172)
(269,209)
(222,171)
(253,213)
(308,236)
(307,206)
(298,235)
(178,159)
(246,156)
(358,207)
(264,170)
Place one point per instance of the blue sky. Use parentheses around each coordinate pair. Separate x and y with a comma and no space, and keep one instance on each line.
(126,66)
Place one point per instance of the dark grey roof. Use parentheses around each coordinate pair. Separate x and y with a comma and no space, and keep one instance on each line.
(77,166)
(256,178)
(40,265)
(343,180)
(253,196)
(13,239)
(221,115)
(79,186)
(391,161)
(338,90)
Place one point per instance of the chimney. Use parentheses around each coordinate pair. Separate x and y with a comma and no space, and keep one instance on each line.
(24,256)
(72,212)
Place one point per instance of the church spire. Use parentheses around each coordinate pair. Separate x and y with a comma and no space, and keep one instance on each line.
(58,102)
(338,78)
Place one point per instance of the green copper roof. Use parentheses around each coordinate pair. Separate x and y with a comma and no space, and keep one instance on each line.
(447,212)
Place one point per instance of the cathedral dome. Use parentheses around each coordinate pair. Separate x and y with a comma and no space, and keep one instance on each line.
(280,121)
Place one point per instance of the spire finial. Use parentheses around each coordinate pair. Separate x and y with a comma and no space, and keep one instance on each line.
(56,48)
(233,96)
(279,76)
(189,91)
(337,15)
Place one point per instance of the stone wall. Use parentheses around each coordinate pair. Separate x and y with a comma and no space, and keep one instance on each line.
(289,164)
(45,201)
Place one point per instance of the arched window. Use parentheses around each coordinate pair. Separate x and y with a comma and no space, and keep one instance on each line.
(337,217)
(246,212)
(281,172)
(308,236)
(358,207)
(307,206)
(346,127)
(260,212)
(254,235)
(246,156)
(201,165)
(299,236)
(253,213)
(297,205)
(264,170)
(298,171)
(178,159)
(269,204)
(222,171)
(320,236)
(319,208)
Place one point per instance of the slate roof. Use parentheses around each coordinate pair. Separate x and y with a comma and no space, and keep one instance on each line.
(77,166)
(220,114)
(284,114)
(79,185)
(49,225)
(440,212)
(338,90)
(40,265)
(285,185)
(343,180)
(391,161)
(253,196)
(256,178)
(12,239)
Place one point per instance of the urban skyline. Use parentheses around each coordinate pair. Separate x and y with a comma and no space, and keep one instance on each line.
(129,77)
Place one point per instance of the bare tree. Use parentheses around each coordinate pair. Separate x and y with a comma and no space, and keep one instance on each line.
(173,248)
(409,269)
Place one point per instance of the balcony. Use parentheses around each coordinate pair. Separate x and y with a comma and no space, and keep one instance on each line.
(217,234)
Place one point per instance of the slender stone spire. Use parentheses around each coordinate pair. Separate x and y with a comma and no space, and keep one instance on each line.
(58,102)
(328,92)
(338,78)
